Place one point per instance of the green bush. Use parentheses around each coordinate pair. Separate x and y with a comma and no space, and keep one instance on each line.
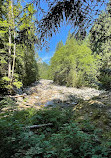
(7,102)
(63,139)
(105,80)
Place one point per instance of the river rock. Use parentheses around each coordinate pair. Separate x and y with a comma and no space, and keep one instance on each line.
(36,97)
(49,103)
(20,99)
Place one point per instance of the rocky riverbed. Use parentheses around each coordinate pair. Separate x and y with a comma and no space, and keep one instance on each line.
(46,93)
(87,103)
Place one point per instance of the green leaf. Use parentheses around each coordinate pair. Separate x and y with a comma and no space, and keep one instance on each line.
(6,79)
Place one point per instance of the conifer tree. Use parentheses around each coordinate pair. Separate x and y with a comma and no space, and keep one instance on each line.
(100,38)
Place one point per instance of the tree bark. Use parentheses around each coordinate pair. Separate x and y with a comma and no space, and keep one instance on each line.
(10,42)
(9,59)
(13,66)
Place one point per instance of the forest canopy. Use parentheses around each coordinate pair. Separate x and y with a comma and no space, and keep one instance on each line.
(21,31)
(73,64)
(17,47)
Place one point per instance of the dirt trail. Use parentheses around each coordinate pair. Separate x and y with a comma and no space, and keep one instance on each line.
(46,93)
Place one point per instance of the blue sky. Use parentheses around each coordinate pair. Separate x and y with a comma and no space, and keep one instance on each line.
(61,35)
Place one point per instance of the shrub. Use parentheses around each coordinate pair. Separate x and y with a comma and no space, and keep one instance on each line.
(62,140)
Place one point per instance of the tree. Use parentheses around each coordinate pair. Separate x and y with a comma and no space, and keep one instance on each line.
(4,46)
(74,65)
(100,38)
(26,63)
(80,13)
(17,46)
(59,45)
(43,70)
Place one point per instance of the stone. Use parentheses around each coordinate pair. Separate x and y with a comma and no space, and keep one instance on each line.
(36,97)
(27,91)
(74,103)
(49,103)
(24,94)
(34,84)
(20,99)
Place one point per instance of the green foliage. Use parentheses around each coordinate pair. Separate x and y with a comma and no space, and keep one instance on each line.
(25,68)
(101,44)
(43,70)
(105,78)
(26,65)
(59,45)
(74,65)
(7,102)
(6,79)
(64,139)
(17,84)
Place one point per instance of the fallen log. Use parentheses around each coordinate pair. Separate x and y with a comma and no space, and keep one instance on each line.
(17,96)
(38,126)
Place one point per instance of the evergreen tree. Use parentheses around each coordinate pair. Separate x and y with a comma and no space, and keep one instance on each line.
(100,38)
(79,13)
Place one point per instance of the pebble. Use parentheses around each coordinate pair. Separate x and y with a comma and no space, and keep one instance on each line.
(36,97)
(74,103)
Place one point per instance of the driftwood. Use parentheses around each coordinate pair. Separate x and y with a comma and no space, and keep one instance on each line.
(38,126)
(17,96)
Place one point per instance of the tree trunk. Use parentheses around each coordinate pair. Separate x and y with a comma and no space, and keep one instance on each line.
(13,66)
(11,23)
(9,59)
(10,42)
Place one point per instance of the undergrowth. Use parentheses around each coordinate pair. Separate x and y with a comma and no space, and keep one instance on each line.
(66,138)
